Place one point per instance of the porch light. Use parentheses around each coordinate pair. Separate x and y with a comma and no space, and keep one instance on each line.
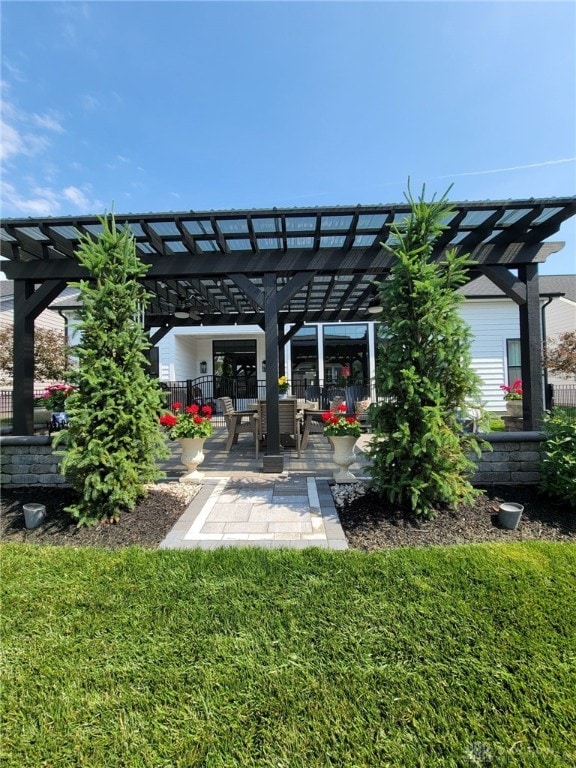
(263,366)
(203,366)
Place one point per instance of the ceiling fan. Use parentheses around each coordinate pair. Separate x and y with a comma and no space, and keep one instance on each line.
(183,312)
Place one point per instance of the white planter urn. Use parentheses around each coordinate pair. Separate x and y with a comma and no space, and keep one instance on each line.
(192,457)
(41,416)
(343,457)
(514,408)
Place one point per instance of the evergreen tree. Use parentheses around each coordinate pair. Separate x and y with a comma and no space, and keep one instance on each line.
(423,373)
(114,438)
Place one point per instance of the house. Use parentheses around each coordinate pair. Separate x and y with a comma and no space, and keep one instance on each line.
(321,352)
(497,335)
(335,353)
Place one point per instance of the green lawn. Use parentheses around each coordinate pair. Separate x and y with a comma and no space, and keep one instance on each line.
(455,656)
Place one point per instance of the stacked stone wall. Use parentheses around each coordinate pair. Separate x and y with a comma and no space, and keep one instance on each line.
(514,459)
(29,461)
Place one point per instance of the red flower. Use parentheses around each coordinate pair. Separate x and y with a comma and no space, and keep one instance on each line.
(168,420)
(343,407)
(326,416)
(188,423)
(350,419)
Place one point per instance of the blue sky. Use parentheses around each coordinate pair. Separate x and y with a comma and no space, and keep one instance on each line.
(164,106)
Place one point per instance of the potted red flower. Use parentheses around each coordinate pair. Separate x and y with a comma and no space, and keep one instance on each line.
(342,431)
(513,397)
(190,426)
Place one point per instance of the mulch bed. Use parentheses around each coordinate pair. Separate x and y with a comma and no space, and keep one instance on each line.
(146,526)
(368,522)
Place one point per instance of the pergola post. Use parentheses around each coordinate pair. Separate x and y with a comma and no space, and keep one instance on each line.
(23,388)
(531,349)
(273,461)
(28,304)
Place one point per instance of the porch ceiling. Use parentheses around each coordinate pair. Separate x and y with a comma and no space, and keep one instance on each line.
(197,259)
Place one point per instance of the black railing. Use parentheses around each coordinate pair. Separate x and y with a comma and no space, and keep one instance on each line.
(562,396)
(205,390)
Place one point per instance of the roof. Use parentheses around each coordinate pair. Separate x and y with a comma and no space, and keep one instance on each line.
(323,260)
(483,288)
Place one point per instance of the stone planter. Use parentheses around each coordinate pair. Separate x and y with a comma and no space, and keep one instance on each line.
(343,457)
(514,408)
(192,457)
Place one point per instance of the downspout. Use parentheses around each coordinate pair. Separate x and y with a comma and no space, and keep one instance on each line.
(65,318)
(547,398)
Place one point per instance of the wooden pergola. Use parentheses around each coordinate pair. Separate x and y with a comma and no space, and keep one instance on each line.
(273,267)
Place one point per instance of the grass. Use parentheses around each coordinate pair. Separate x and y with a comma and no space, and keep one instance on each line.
(450,656)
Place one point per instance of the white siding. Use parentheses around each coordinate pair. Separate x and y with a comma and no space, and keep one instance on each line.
(491,322)
(182,350)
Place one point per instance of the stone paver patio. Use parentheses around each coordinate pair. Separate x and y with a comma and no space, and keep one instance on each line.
(240,506)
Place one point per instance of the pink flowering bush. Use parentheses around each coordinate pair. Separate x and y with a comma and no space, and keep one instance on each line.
(337,424)
(193,421)
(512,392)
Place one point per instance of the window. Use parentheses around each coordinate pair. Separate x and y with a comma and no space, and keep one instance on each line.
(345,354)
(513,359)
(304,353)
(234,366)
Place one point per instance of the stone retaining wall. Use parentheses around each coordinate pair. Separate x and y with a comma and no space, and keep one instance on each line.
(29,461)
(514,459)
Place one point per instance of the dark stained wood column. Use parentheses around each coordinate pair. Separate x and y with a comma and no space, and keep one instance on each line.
(28,304)
(531,349)
(23,390)
(273,461)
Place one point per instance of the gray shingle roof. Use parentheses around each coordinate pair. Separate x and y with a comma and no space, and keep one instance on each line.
(484,288)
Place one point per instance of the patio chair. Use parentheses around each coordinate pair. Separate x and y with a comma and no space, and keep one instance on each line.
(290,421)
(356,393)
(238,423)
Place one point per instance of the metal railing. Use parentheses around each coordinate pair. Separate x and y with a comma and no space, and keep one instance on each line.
(562,396)
(205,390)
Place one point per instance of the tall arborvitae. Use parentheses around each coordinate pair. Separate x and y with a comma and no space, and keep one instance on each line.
(424,374)
(114,439)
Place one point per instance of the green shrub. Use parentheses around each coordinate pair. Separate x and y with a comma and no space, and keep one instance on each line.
(558,465)
(497,423)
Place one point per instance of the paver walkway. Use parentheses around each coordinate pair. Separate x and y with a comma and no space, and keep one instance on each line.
(239,505)
(278,511)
